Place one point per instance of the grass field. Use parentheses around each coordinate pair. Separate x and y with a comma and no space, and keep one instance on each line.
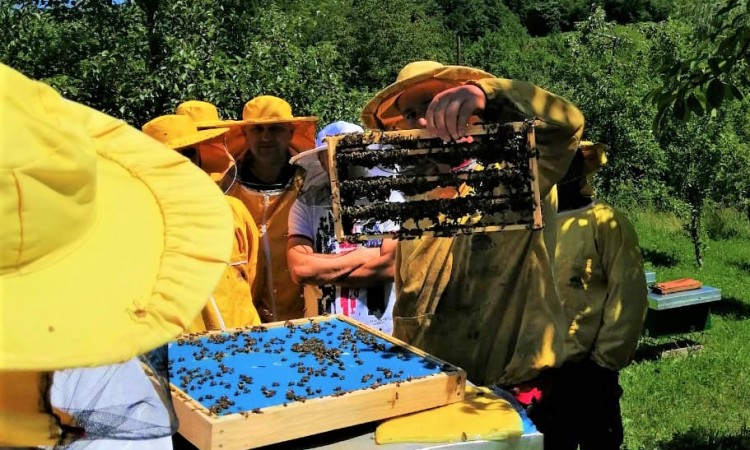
(700,400)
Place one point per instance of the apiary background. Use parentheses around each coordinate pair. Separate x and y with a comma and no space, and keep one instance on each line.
(254,387)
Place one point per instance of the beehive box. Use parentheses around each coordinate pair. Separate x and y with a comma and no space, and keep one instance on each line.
(248,388)
(680,312)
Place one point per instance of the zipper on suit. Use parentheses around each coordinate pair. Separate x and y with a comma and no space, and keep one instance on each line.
(218,314)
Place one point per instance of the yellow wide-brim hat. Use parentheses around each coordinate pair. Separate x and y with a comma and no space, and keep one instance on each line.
(381,111)
(204,114)
(594,157)
(111,243)
(178,131)
(267,110)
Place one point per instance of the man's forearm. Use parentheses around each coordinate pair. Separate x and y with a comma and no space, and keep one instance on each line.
(319,269)
(376,271)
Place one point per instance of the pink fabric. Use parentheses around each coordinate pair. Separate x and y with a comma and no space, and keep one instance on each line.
(525,395)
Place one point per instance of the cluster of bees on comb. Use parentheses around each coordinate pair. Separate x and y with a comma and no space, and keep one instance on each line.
(228,372)
(499,187)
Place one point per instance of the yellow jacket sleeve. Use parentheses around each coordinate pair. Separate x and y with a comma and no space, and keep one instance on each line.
(557,136)
(626,300)
(231,304)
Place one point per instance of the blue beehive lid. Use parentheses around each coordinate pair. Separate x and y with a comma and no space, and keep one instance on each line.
(705,294)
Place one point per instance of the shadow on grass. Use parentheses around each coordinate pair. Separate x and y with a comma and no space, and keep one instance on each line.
(653,349)
(731,307)
(742,265)
(659,258)
(696,439)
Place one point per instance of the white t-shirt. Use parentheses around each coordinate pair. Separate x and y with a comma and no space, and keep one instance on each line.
(311,217)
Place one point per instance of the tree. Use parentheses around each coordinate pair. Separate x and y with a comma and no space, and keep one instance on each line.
(388,34)
(140,58)
(542,17)
(609,71)
(475,18)
(700,81)
(707,154)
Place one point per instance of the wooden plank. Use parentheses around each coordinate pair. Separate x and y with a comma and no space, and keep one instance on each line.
(534,168)
(278,423)
(195,424)
(378,136)
(333,172)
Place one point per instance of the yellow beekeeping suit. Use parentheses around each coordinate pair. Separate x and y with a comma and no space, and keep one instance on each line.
(276,296)
(601,283)
(231,305)
(488,302)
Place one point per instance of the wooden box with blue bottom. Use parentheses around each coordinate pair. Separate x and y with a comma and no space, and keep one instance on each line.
(248,388)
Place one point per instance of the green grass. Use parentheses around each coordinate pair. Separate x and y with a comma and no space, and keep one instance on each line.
(700,400)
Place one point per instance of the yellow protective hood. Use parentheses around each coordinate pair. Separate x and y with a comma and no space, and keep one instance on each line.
(381,111)
(594,157)
(179,131)
(111,242)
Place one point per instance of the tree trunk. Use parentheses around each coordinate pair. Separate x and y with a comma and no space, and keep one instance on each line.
(695,235)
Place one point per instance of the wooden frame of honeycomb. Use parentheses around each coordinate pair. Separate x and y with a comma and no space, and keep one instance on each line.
(500,192)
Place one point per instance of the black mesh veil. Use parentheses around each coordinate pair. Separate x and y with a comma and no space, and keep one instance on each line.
(126,405)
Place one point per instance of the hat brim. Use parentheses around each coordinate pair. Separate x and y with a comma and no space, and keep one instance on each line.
(381,111)
(594,157)
(160,244)
(203,124)
(199,137)
(307,156)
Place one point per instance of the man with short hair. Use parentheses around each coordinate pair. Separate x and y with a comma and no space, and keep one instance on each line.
(338,278)
(268,185)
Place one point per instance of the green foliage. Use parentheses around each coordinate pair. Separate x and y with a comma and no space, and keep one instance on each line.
(140,58)
(542,17)
(724,223)
(391,33)
(699,82)
(692,402)
(634,11)
(473,19)
(609,73)
(499,51)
